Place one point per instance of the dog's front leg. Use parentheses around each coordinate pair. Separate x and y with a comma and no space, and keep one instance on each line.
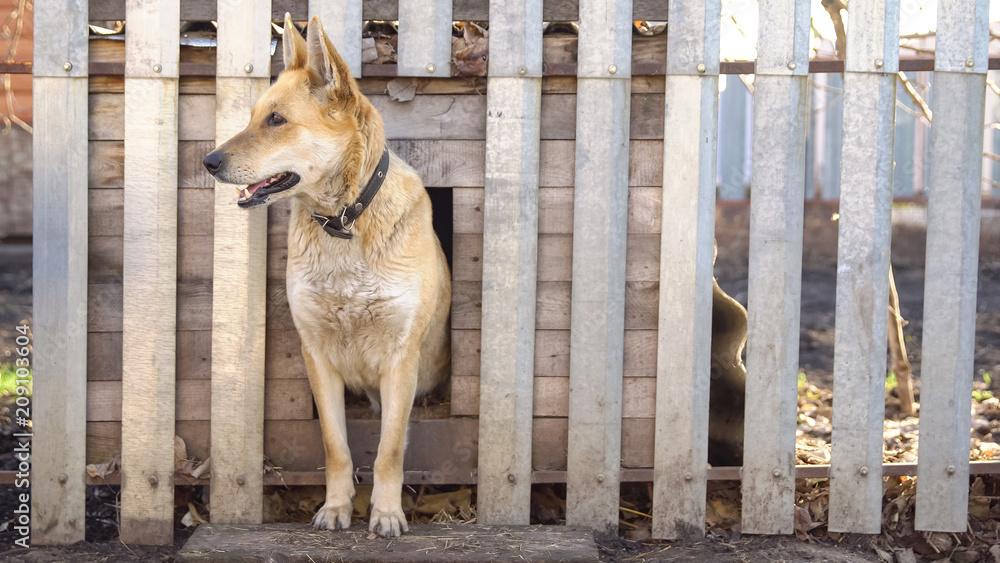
(397,388)
(328,391)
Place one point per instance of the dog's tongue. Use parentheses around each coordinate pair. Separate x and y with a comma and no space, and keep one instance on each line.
(253,189)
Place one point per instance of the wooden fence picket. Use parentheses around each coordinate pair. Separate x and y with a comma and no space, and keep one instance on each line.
(509,262)
(863,268)
(684,347)
(774,284)
(343,24)
(242,75)
(950,279)
(59,272)
(149,275)
(600,208)
(424,42)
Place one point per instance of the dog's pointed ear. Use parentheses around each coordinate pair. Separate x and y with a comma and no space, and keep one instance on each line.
(324,59)
(293,45)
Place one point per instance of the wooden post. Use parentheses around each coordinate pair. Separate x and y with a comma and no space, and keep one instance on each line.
(510,242)
(59,271)
(342,22)
(239,280)
(149,276)
(683,363)
(863,268)
(600,206)
(424,47)
(773,293)
(953,211)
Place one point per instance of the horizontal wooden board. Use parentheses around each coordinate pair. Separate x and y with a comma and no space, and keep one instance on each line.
(549,441)
(104,356)
(106,164)
(440,163)
(554,10)
(115,84)
(446,446)
(424,543)
(555,210)
(455,117)
(283,358)
(552,353)
(104,259)
(558,50)
(194,258)
(550,437)
(284,399)
(551,396)
(107,161)
(107,213)
(107,117)
(194,306)
(553,305)
(555,257)
(283,355)
(377,85)
(194,354)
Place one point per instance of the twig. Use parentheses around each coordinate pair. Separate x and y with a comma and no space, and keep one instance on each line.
(917,98)
(924,50)
(636,512)
(993,183)
(897,348)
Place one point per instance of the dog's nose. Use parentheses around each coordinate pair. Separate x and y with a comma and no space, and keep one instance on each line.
(213,162)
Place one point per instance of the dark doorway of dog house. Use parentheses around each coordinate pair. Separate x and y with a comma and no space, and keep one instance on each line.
(443,220)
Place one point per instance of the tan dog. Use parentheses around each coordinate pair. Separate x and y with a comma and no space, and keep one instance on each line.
(367,281)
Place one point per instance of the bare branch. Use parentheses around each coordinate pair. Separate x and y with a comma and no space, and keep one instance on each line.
(917,98)
(833,7)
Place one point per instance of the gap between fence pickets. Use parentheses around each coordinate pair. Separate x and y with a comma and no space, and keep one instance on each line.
(635,475)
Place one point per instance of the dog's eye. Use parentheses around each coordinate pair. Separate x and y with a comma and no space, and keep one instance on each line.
(275,119)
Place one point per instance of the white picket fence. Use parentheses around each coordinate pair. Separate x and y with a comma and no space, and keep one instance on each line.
(510,237)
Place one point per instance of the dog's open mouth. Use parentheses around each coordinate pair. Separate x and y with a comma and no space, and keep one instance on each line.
(257,194)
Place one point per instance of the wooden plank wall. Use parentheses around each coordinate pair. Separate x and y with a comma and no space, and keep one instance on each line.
(774,282)
(953,215)
(684,344)
(59,273)
(509,263)
(239,260)
(863,269)
(149,273)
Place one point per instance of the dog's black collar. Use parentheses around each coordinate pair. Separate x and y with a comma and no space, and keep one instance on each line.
(340,226)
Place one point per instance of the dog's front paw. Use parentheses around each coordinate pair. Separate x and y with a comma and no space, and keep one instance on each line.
(333,517)
(388,523)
